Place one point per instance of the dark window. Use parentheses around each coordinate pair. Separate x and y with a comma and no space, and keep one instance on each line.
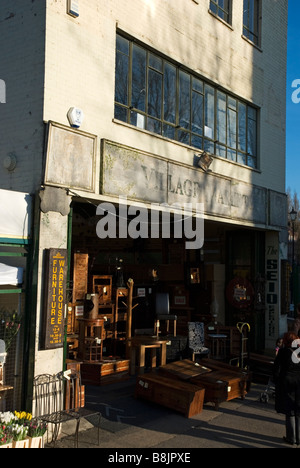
(221,8)
(154,94)
(251,21)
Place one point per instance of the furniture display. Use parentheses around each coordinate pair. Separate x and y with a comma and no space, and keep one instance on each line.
(162,310)
(196,339)
(137,348)
(179,396)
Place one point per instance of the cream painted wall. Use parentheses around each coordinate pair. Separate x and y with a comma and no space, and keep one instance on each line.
(80,64)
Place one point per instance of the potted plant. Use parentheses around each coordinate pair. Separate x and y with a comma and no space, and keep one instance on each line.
(19,434)
(36,431)
(5,437)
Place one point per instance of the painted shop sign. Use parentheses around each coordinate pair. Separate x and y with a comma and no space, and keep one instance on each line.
(272,286)
(141,176)
(71,156)
(55,297)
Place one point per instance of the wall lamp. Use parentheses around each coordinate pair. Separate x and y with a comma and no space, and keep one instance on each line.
(205,161)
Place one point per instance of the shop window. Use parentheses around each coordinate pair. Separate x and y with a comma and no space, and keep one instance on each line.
(156,95)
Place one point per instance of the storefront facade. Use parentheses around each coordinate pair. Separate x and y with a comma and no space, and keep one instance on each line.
(158,113)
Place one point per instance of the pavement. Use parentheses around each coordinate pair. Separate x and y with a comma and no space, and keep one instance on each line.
(132,426)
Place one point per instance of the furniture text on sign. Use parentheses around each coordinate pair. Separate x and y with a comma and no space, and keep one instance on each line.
(56,275)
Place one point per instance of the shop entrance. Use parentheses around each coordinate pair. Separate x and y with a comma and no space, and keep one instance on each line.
(194,280)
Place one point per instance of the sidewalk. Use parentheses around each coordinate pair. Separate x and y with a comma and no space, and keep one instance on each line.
(128,423)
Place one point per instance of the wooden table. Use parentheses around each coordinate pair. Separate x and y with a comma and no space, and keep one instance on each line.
(140,344)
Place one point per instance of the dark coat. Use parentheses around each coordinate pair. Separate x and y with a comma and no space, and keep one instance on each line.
(287,382)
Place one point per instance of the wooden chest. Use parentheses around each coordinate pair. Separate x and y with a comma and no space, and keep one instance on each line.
(221,386)
(105,372)
(244,374)
(180,396)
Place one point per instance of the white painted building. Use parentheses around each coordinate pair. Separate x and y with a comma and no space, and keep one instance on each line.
(158,83)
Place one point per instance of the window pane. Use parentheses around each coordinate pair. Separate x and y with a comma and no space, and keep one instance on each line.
(209,146)
(221,151)
(138,78)
(209,112)
(121,113)
(169,132)
(221,117)
(251,140)
(221,8)
(231,128)
(197,141)
(197,113)
(197,85)
(242,127)
(154,126)
(184,137)
(184,100)
(241,158)
(231,155)
(122,45)
(251,20)
(155,62)
(121,79)
(251,162)
(213,7)
(170,93)
(138,120)
(154,93)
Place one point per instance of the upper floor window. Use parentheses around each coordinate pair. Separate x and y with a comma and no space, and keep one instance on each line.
(221,8)
(154,94)
(251,21)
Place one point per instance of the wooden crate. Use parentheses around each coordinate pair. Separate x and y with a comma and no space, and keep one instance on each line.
(177,395)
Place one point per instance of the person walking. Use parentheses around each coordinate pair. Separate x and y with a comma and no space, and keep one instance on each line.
(287,386)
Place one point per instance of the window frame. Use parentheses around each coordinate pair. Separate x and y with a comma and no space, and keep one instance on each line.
(196,126)
(252,32)
(219,11)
